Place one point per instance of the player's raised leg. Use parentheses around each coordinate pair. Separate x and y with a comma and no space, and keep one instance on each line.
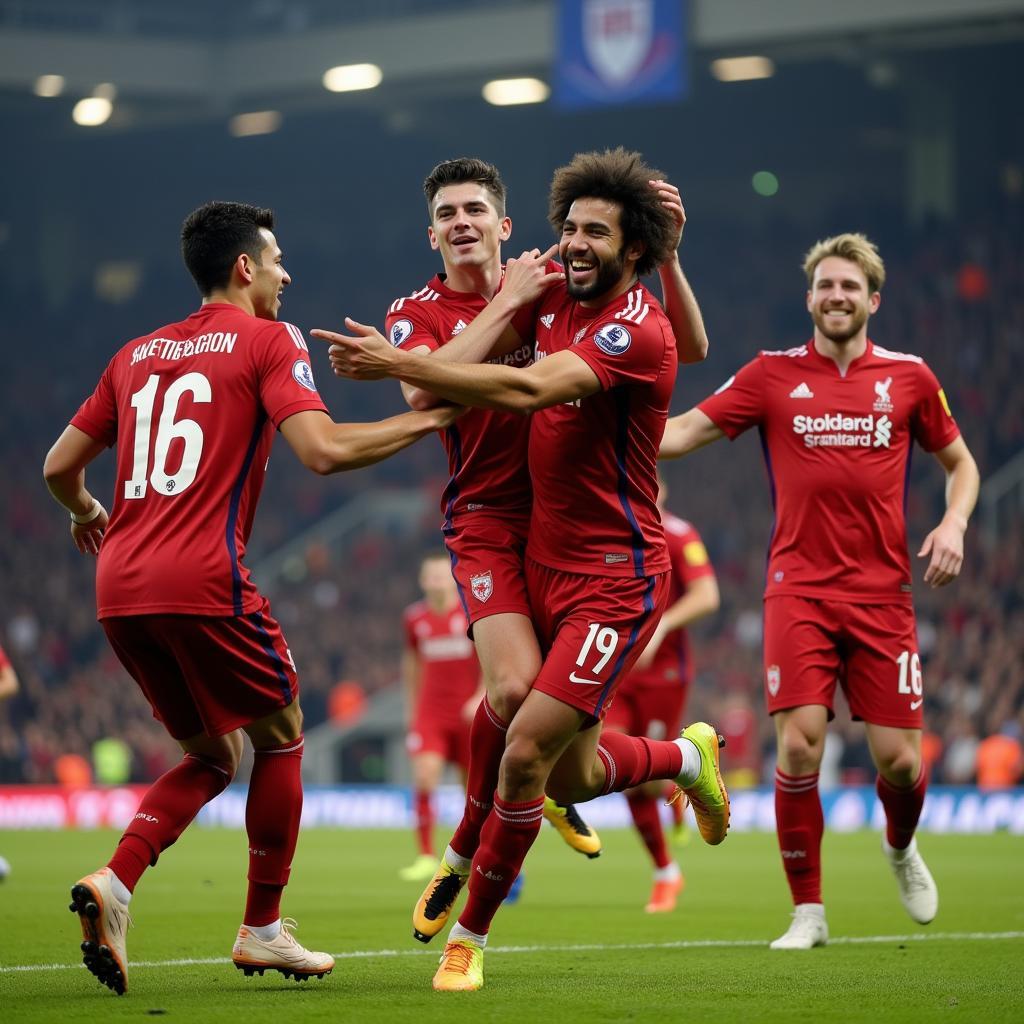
(272,813)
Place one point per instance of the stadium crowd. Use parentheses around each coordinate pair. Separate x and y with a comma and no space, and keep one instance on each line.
(954,298)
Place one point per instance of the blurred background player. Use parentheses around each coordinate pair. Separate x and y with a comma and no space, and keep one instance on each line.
(652,698)
(441,676)
(193,408)
(838,417)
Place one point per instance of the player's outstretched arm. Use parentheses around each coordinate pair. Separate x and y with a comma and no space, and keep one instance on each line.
(491,332)
(64,472)
(562,377)
(944,546)
(328,447)
(677,296)
(686,433)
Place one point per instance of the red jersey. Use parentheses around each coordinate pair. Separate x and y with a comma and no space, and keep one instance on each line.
(594,461)
(673,661)
(838,454)
(194,406)
(449,670)
(5,662)
(486,448)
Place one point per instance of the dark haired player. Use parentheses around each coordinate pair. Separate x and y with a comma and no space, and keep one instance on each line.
(596,560)
(193,407)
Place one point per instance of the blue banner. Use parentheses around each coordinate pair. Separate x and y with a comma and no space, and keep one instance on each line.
(613,52)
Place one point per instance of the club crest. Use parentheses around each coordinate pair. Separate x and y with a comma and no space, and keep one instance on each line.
(482,585)
(774,677)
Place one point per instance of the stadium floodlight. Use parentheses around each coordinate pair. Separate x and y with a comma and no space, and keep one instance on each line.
(92,111)
(49,86)
(742,69)
(106,91)
(257,122)
(508,92)
(352,77)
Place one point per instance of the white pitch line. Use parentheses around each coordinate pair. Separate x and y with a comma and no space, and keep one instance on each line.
(596,947)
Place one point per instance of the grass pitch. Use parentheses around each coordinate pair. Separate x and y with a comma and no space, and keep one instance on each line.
(576,947)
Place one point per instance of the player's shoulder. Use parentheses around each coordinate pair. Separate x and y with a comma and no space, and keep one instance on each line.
(636,307)
(779,356)
(676,525)
(414,611)
(887,355)
(418,300)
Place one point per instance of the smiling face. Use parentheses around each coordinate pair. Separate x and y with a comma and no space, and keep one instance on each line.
(268,278)
(839,299)
(466,227)
(592,250)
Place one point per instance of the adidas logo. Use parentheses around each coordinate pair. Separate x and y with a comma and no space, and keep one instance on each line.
(801,391)
(548,320)
(459,328)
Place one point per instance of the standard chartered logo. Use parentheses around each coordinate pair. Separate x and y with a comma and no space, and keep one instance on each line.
(834,430)
(883,432)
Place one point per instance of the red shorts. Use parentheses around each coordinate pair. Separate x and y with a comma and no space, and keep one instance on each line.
(429,734)
(487,552)
(591,630)
(869,649)
(649,710)
(204,674)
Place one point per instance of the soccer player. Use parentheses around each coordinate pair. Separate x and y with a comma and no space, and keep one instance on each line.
(837,417)
(441,675)
(652,698)
(597,565)
(193,407)
(486,503)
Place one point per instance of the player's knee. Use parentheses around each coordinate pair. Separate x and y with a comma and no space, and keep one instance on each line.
(900,767)
(506,691)
(800,753)
(523,765)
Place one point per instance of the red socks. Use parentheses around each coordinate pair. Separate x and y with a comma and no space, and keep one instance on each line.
(166,810)
(272,814)
(647,818)
(424,821)
(799,824)
(631,760)
(902,807)
(504,843)
(486,746)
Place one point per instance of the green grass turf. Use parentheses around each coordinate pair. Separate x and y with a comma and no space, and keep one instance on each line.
(347,898)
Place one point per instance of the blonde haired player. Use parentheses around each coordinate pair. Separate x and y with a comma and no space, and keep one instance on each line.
(838,416)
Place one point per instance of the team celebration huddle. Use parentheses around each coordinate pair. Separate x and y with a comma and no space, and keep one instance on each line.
(549,660)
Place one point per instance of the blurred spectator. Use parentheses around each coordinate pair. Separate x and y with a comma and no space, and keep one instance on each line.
(1001,758)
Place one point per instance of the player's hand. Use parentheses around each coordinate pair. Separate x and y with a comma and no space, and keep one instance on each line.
(945,546)
(526,277)
(364,355)
(671,201)
(88,538)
